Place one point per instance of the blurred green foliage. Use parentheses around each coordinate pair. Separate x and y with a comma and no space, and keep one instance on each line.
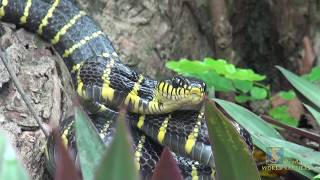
(287,95)
(282,114)
(223,76)
(303,160)
(314,75)
(10,166)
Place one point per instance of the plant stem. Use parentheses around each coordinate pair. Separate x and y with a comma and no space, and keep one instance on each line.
(22,93)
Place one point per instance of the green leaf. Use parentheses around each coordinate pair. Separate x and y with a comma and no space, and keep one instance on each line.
(173,65)
(314,75)
(118,162)
(219,83)
(219,66)
(287,95)
(307,157)
(186,66)
(314,113)
(245,74)
(317,177)
(264,136)
(214,80)
(309,90)
(253,123)
(232,157)
(258,93)
(243,99)
(243,86)
(282,114)
(10,167)
(90,146)
(304,172)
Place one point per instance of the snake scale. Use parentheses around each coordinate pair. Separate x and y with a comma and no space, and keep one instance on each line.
(161,113)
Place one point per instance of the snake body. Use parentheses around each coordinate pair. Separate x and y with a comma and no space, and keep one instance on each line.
(161,113)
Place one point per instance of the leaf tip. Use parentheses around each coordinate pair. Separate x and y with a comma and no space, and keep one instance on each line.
(167,167)
(65,167)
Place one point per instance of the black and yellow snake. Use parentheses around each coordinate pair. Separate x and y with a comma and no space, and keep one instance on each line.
(162,113)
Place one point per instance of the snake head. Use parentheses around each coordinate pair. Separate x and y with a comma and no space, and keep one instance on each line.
(191,86)
(186,93)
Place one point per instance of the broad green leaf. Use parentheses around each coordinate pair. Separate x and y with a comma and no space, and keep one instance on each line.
(220,83)
(10,166)
(219,66)
(245,74)
(265,137)
(258,93)
(304,172)
(309,90)
(286,163)
(317,177)
(90,146)
(186,66)
(281,114)
(212,79)
(314,113)
(243,86)
(314,75)
(118,162)
(253,123)
(232,156)
(243,99)
(173,65)
(287,95)
(291,152)
(290,163)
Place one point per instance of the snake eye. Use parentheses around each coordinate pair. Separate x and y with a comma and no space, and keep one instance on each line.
(194,86)
(203,86)
(178,82)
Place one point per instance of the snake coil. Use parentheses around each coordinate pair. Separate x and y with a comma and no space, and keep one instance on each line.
(162,113)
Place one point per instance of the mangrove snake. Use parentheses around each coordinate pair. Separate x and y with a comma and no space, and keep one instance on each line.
(161,113)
